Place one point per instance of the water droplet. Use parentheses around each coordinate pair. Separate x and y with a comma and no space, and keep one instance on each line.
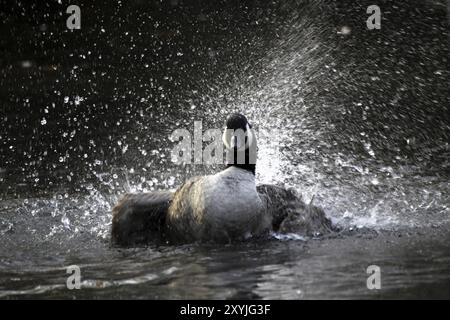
(171,181)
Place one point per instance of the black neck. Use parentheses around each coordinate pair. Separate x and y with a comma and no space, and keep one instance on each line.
(233,160)
(248,167)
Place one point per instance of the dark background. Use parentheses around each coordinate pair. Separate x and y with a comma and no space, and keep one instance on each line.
(140,66)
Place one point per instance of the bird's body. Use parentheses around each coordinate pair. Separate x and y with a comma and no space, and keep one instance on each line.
(221,207)
(224,207)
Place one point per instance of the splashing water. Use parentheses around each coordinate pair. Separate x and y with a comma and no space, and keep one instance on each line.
(352,120)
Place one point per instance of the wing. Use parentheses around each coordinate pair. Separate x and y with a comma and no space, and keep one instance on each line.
(139,218)
(279,202)
(291,214)
(182,225)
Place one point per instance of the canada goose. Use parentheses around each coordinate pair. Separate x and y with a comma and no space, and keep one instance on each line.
(224,207)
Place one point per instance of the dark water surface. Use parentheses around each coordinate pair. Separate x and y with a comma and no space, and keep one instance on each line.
(355,119)
(413,265)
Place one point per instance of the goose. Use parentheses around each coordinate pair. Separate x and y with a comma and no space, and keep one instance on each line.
(224,207)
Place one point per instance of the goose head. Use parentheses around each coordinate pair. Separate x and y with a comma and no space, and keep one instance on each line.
(240,142)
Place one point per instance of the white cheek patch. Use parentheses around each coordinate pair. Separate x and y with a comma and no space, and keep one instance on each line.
(226,139)
(250,136)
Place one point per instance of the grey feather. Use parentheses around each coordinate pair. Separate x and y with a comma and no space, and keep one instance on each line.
(182,217)
(291,214)
(139,218)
